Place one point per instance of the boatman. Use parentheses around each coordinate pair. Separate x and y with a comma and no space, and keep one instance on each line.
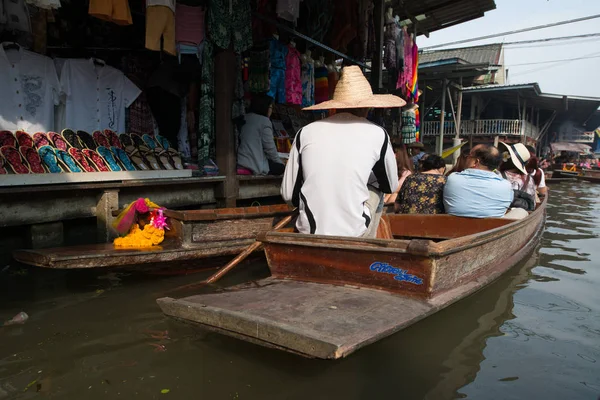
(339,167)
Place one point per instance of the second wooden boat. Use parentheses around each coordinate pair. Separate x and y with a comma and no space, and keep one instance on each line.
(329,296)
(192,235)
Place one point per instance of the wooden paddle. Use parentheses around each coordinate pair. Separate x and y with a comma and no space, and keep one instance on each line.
(239,258)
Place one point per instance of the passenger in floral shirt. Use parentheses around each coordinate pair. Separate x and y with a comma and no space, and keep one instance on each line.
(422,193)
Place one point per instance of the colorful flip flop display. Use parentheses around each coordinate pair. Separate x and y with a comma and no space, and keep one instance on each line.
(33,159)
(15,160)
(79,151)
(48,156)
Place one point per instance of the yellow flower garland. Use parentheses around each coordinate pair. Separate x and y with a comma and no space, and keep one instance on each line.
(147,237)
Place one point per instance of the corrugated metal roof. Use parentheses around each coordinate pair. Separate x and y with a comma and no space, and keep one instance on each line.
(442,13)
(486,54)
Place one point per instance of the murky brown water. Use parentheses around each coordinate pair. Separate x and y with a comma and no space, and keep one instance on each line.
(534,333)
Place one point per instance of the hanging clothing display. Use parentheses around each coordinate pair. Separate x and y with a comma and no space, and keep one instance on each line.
(308,83)
(288,10)
(230,20)
(160,23)
(409,129)
(293,82)
(138,116)
(189,24)
(321,84)
(389,42)
(30,90)
(344,25)
(365,12)
(116,11)
(260,28)
(319,14)
(278,53)
(258,71)
(206,120)
(14,16)
(333,77)
(45,4)
(407,71)
(96,95)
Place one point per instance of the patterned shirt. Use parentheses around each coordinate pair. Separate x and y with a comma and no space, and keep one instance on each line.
(422,194)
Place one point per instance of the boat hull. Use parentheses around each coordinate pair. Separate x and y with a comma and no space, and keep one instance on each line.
(327,300)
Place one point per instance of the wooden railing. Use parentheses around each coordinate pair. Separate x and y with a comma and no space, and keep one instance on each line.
(502,127)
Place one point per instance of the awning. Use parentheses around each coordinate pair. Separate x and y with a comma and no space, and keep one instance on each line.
(566,146)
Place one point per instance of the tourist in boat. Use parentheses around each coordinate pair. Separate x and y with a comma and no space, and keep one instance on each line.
(461,162)
(257,151)
(514,167)
(405,168)
(423,193)
(339,167)
(478,192)
(417,152)
(536,173)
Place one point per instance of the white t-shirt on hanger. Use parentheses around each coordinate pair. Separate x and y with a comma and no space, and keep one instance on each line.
(96,96)
(29,91)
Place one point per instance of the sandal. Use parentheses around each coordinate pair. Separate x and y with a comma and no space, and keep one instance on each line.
(48,156)
(125,140)
(113,139)
(150,142)
(68,161)
(7,139)
(58,141)
(136,157)
(165,160)
(149,158)
(15,160)
(101,139)
(123,158)
(175,158)
(95,159)
(109,158)
(163,142)
(71,137)
(33,159)
(41,139)
(138,141)
(87,140)
(24,139)
(3,166)
(81,160)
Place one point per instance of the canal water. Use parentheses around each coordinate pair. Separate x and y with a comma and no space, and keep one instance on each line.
(534,333)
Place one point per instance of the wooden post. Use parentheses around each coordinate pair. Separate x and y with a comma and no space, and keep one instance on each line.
(423,108)
(523,119)
(377,62)
(107,203)
(457,139)
(226,192)
(440,143)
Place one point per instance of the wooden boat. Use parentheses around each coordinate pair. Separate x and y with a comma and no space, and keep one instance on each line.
(560,174)
(192,235)
(587,178)
(329,296)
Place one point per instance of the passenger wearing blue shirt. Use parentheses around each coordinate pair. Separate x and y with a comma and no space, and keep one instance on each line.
(416,151)
(478,192)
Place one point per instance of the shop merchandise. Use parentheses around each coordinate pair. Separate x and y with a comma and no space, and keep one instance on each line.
(344,25)
(116,11)
(407,72)
(30,89)
(189,24)
(278,53)
(308,80)
(230,21)
(260,28)
(365,12)
(318,18)
(293,82)
(206,120)
(321,84)
(288,10)
(14,16)
(392,31)
(96,95)
(45,4)
(258,71)
(160,22)
(409,129)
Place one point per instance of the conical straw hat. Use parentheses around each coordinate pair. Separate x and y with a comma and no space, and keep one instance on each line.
(354,91)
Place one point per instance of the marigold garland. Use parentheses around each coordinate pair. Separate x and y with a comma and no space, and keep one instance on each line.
(147,237)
